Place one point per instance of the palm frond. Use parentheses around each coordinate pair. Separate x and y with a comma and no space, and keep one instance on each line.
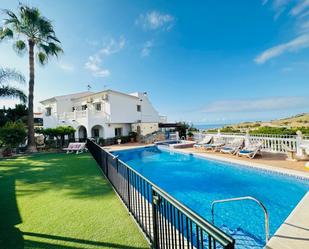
(7,91)
(6,33)
(7,75)
(29,15)
(29,24)
(42,57)
(20,46)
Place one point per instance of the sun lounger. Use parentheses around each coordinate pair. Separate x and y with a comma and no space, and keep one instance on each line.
(75,147)
(250,151)
(217,144)
(206,140)
(233,147)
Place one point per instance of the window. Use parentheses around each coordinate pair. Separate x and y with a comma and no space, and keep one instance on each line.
(84,107)
(98,106)
(48,111)
(139,108)
(118,132)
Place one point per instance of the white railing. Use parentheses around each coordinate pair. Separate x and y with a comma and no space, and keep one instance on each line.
(81,114)
(270,142)
(70,115)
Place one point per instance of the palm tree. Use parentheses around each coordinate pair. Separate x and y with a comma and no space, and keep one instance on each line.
(32,31)
(7,75)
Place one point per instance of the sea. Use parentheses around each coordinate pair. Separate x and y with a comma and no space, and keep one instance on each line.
(208,126)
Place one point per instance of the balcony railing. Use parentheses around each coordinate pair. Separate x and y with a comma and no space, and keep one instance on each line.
(83,114)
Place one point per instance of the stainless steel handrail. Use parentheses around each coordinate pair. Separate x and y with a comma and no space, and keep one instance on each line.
(241,199)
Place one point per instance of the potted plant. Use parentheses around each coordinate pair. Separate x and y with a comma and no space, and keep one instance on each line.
(119,140)
(132,136)
(190,136)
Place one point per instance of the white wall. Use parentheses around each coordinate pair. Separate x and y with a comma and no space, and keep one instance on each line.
(109,130)
(146,128)
(149,113)
(123,109)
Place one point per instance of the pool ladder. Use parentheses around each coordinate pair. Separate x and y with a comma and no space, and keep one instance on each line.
(242,199)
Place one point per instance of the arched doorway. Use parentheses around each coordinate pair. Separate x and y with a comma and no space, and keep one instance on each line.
(82,133)
(97,131)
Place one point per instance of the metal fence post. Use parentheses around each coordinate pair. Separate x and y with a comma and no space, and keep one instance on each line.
(129,192)
(106,165)
(155,203)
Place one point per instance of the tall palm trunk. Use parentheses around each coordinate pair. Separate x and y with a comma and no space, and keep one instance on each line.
(31,141)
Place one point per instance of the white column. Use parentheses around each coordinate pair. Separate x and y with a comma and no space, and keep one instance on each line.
(247,138)
(299,139)
(177,135)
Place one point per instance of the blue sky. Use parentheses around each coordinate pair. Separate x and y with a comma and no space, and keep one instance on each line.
(201,61)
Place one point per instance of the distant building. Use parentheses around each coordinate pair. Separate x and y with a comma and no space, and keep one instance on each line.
(103,114)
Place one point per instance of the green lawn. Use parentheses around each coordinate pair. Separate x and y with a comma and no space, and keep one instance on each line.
(61,201)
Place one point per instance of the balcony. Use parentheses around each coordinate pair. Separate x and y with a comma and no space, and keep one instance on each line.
(84,114)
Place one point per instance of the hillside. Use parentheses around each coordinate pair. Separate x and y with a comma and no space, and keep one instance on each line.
(300,120)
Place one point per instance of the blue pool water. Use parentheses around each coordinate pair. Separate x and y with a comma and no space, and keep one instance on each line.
(197,182)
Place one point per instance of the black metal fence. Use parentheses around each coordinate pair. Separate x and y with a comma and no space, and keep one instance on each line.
(166,222)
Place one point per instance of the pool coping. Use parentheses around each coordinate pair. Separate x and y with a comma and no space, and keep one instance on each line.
(294,231)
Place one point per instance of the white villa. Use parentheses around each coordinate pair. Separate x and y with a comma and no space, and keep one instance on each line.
(103,114)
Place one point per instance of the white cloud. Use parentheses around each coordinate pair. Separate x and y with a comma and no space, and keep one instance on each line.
(146,48)
(301,6)
(155,20)
(93,64)
(304,27)
(257,105)
(279,6)
(294,45)
(113,46)
(66,67)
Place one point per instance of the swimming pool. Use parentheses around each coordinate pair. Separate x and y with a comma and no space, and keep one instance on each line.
(197,182)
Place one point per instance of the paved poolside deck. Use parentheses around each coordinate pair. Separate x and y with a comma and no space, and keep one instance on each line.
(272,160)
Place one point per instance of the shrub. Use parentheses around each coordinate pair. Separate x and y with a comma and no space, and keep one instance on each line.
(133,134)
(12,134)
(280,130)
(229,129)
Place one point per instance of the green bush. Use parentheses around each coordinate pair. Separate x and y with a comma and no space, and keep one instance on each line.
(280,130)
(13,134)
(229,129)
(113,140)
(133,134)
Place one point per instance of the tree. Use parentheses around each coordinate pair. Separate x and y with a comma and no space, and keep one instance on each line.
(12,134)
(32,31)
(19,113)
(6,76)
